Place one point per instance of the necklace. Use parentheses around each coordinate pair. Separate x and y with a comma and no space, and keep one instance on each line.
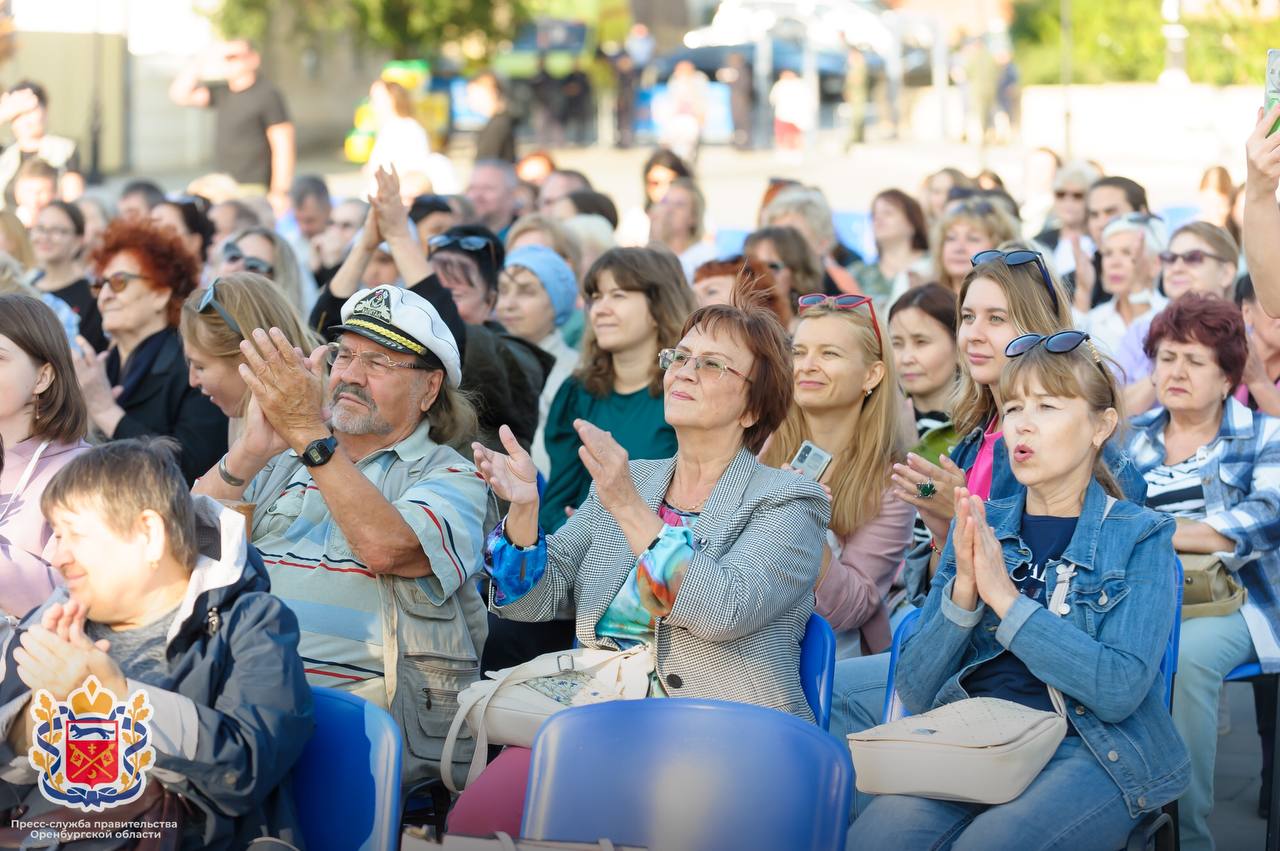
(692,509)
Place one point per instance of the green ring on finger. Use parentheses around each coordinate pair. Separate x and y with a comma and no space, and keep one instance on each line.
(926,489)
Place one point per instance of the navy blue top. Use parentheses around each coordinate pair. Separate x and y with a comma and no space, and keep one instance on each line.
(1006,676)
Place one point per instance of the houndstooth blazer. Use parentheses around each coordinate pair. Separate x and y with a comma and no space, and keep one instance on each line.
(734,631)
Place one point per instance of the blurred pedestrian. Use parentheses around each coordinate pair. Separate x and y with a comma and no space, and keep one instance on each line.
(855,98)
(497,139)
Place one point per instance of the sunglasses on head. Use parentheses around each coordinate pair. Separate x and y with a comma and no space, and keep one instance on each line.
(1194,257)
(843,302)
(1058,344)
(209,299)
(1019,258)
(469,244)
(232,253)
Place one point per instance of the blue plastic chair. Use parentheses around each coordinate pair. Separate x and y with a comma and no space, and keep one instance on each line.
(818,667)
(698,775)
(1253,671)
(346,785)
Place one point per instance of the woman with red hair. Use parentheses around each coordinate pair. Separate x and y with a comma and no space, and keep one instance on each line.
(139,386)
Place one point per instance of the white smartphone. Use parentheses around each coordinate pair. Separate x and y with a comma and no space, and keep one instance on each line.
(1273,83)
(811,461)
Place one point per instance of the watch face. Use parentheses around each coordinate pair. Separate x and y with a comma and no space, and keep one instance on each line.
(314,455)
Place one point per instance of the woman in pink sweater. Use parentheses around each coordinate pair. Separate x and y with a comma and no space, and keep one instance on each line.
(42,423)
(847,402)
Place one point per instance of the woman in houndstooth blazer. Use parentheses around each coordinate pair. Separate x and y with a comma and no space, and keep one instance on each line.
(710,557)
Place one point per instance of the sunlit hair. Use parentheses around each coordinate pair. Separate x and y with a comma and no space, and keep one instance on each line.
(1031,312)
(658,275)
(859,469)
(750,322)
(1082,373)
(811,206)
(981,213)
(253,302)
(120,480)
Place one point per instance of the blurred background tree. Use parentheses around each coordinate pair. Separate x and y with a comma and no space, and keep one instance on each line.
(1122,42)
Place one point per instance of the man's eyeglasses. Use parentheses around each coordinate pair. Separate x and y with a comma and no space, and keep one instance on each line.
(232,253)
(674,358)
(117,281)
(1194,257)
(469,244)
(376,364)
(209,299)
(1018,258)
(844,302)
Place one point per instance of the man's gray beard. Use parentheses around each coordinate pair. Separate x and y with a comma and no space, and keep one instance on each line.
(342,420)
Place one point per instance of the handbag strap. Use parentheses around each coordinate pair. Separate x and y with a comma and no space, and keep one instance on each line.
(1058,607)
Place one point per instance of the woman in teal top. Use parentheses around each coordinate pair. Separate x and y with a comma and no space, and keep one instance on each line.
(637,301)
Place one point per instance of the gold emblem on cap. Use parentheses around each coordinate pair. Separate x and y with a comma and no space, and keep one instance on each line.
(376,304)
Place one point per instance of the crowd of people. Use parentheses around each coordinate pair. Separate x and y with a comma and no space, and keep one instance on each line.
(384,444)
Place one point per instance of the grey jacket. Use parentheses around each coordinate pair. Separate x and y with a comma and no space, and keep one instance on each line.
(734,631)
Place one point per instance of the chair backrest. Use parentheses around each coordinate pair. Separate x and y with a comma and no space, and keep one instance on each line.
(818,667)
(698,775)
(346,785)
(893,708)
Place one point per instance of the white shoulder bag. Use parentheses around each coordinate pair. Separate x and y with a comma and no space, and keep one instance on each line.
(508,708)
(982,750)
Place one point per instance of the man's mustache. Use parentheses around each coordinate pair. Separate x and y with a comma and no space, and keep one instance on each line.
(359,393)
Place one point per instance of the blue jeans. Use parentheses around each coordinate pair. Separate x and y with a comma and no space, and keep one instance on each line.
(857,702)
(1207,651)
(1073,803)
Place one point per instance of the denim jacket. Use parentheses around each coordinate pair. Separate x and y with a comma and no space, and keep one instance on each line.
(915,573)
(1103,654)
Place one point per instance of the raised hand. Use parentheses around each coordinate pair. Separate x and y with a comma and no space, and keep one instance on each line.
(512,477)
(964,593)
(288,387)
(992,576)
(606,461)
(392,215)
(1262,152)
(937,509)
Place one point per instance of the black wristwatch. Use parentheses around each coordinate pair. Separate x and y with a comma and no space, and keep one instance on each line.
(318,452)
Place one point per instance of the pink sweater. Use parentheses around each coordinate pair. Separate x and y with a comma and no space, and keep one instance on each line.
(852,594)
(26,578)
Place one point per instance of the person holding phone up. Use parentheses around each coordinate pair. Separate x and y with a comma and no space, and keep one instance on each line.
(847,412)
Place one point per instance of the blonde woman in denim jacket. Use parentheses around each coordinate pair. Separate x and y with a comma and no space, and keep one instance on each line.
(984,630)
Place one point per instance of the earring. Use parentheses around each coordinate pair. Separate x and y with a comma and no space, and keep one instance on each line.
(868,393)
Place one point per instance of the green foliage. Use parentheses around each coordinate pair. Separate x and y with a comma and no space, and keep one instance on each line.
(405,28)
(1124,42)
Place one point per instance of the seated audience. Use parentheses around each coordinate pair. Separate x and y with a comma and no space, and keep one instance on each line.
(846,402)
(431,215)
(1130,249)
(1109,198)
(97,215)
(25,108)
(558,185)
(965,229)
(536,295)
(140,387)
(138,198)
(264,252)
(985,631)
(586,203)
(637,300)
(189,219)
(714,283)
(213,323)
(492,192)
(57,240)
(1066,233)
(369,518)
(163,596)
(34,187)
(1210,462)
(676,223)
(42,424)
(902,249)
(541,229)
(937,191)
(808,212)
(796,268)
(1201,258)
(329,247)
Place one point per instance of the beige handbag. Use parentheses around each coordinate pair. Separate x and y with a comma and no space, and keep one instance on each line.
(1209,588)
(508,708)
(982,750)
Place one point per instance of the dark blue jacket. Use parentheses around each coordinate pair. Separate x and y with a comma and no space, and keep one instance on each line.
(235,712)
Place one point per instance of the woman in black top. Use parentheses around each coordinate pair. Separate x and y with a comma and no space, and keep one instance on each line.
(139,386)
(57,237)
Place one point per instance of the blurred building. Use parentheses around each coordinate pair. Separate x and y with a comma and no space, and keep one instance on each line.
(114,59)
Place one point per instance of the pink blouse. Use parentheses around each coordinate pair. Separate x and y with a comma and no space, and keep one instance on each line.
(979,479)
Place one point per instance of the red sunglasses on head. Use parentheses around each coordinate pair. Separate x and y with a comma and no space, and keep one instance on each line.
(844,302)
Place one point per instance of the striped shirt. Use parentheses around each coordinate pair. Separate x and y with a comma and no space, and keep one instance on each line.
(1175,489)
(337,599)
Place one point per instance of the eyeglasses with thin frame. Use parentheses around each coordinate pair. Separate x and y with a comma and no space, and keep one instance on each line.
(1018,258)
(847,301)
(117,281)
(209,299)
(233,253)
(707,364)
(375,364)
(1194,257)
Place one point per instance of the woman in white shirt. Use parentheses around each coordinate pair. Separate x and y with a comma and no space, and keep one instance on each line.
(401,142)
(1131,247)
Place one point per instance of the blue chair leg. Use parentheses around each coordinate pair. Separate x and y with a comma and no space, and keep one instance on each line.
(1273,827)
